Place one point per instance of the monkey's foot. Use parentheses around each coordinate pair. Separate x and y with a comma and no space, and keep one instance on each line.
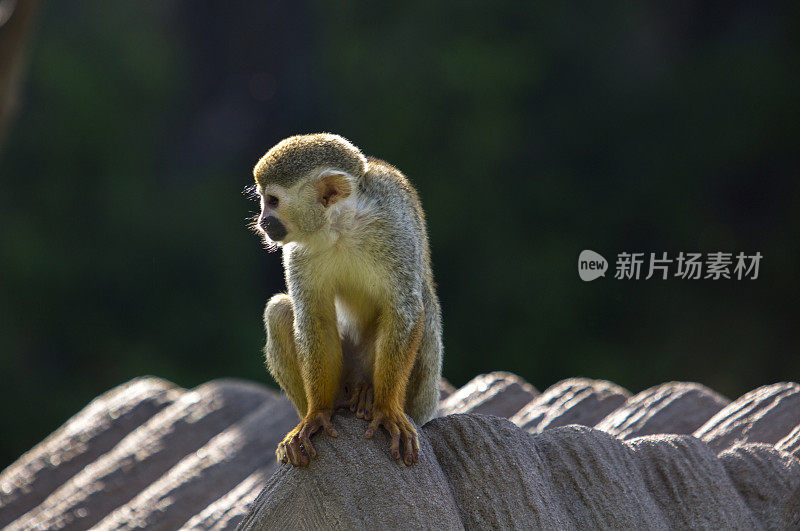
(399,428)
(296,447)
(360,400)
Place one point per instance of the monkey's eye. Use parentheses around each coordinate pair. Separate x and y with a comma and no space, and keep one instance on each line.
(272,200)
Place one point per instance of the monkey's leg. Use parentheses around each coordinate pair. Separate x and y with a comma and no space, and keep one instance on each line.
(281,350)
(422,398)
(357,391)
(398,343)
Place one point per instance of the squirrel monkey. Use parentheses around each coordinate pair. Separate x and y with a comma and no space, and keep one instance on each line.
(361,324)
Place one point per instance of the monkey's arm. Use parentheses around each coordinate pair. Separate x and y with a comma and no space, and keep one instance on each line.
(399,337)
(320,364)
(320,350)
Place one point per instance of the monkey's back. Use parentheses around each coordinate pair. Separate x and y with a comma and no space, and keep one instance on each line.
(397,203)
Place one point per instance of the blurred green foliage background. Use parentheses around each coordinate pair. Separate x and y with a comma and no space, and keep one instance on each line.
(532,131)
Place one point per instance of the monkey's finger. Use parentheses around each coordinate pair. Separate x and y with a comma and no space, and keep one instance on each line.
(305,438)
(329,428)
(297,451)
(394,431)
(371,429)
(353,401)
(279,455)
(344,401)
(362,398)
(291,452)
(368,404)
(355,397)
(415,443)
(298,448)
(408,449)
(308,429)
(309,448)
(282,453)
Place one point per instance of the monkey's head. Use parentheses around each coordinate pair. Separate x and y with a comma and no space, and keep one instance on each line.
(300,179)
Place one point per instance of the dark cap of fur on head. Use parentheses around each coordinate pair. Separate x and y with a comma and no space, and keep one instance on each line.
(294,157)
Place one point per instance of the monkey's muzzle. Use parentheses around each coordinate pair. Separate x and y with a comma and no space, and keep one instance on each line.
(274,228)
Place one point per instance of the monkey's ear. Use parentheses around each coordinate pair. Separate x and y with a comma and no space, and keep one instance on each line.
(332,187)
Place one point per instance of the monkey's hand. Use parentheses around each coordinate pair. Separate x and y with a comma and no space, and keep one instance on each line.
(395,422)
(358,399)
(296,447)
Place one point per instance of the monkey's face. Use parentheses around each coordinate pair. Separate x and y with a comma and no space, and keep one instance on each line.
(281,220)
(297,213)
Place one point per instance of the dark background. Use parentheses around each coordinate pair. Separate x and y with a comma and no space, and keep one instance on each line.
(532,131)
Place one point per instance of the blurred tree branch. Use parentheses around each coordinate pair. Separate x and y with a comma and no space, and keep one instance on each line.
(16,19)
